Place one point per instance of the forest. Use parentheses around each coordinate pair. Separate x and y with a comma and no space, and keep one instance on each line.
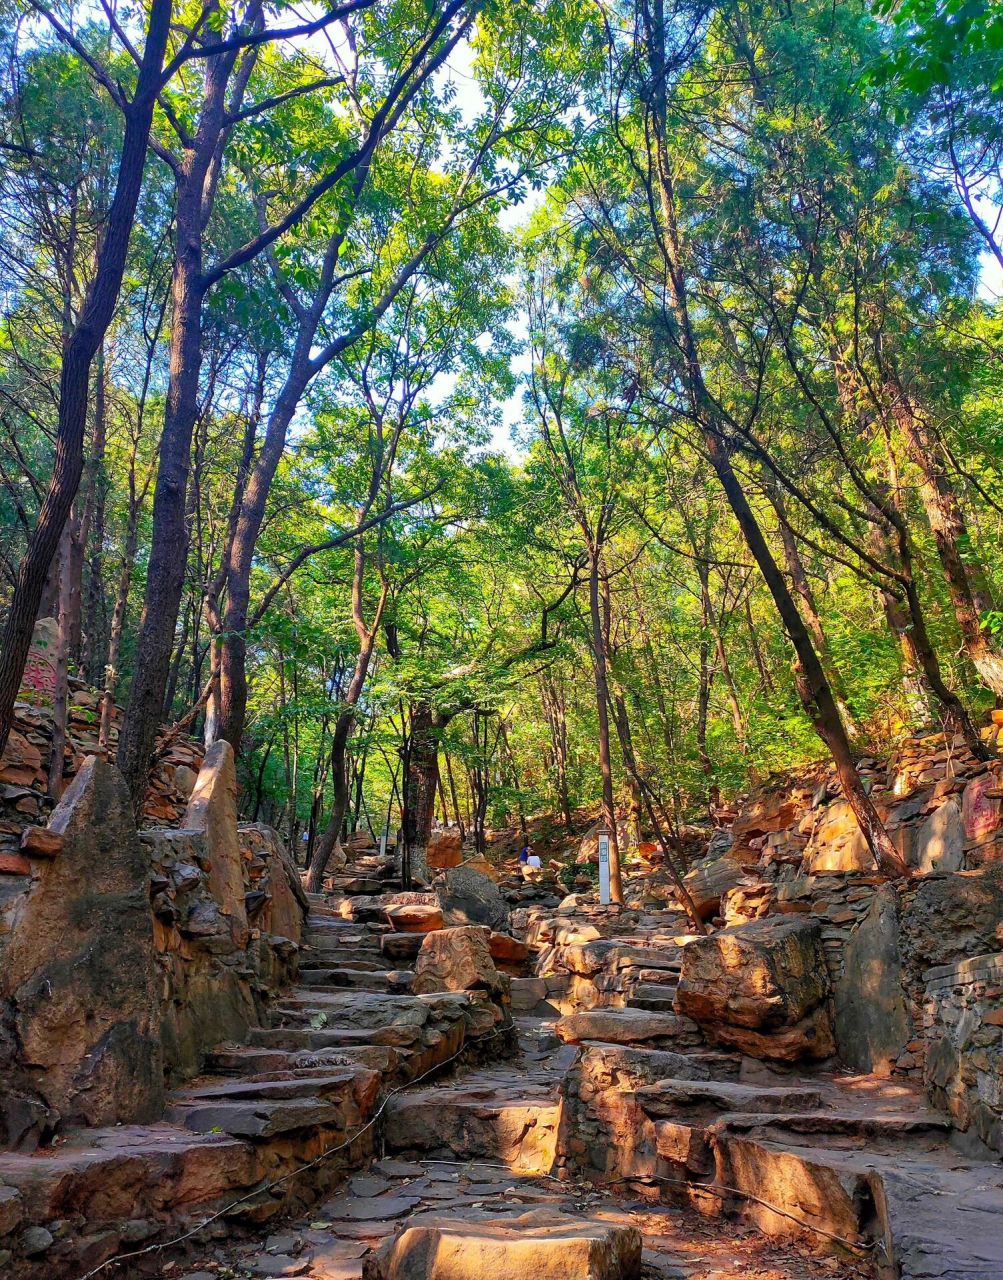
(474,409)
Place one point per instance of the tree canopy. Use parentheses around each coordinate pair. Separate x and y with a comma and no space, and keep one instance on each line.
(489,409)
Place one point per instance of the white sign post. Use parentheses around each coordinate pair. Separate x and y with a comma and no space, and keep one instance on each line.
(604,894)
(383,842)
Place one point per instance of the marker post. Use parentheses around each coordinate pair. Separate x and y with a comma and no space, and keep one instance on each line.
(604,893)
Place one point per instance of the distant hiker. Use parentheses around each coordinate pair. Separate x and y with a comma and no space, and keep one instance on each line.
(524,853)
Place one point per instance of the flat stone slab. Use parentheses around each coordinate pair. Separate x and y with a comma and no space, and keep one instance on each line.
(676,1097)
(623,1026)
(540,1246)
(373,1208)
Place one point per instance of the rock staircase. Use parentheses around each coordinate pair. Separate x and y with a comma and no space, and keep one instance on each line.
(622,1115)
(273,1122)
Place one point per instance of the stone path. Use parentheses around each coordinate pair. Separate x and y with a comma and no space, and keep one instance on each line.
(466,1148)
(607,1123)
(234,1142)
(761,1152)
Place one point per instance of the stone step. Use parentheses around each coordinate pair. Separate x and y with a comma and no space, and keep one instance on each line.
(507,1125)
(356,979)
(651,995)
(402,948)
(669,975)
(709,1099)
(514,1248)
(628,1026)
(933,1214)
(352,885)
(309,1038)
(340,933)
(258,1118)
(888,1129)
(338,960)
(361,909)
(268,1064)
(244,1061)
(329,1083)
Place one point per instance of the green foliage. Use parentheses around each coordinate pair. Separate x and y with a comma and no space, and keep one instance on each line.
(505,253)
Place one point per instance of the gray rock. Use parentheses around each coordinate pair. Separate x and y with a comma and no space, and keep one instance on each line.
(35,1241)
(940,841)
(470,897)
(279,1265)
(11,1210)
(871,1021)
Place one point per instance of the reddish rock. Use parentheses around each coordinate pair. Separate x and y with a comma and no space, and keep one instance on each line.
(761,987)
(456,960)
(710,880)
(80,970)
(414,917)
(40,842)
(445,849)
(212,810)
(506,948)
(14,864)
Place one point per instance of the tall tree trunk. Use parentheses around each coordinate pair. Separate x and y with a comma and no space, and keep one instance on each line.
(917,692)
(196,177)
(238,557)
(118,619)
(757,651)
(420,783)
(966,580)
(602,714)
(169,544)
(60,698)
(325,846)
(554,710)
(813,687)
(78,353)
(94,614)
(704,682)
(808,607)
(454,798)
(514,776)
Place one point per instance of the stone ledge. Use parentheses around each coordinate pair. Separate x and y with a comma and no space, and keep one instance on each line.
(972,969)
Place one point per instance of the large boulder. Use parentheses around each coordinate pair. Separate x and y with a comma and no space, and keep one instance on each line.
(761,987)
(468,896)
(940,841)
(710,879)
(534,1246)
(950,918)
(414,917)
(456,960)
(78,967)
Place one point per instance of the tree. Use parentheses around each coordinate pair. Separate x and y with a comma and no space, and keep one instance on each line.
(81,345)
(222,105)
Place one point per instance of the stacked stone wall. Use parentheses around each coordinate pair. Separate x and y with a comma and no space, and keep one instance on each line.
(963,1025)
